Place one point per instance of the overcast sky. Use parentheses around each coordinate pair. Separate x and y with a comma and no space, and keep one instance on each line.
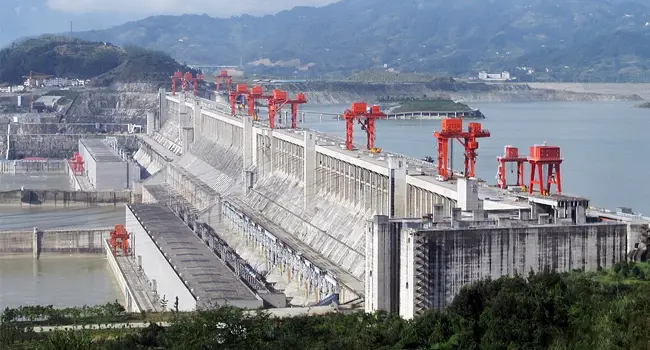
(216,8)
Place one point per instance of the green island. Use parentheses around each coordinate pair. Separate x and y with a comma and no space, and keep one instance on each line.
(643,105)
(424,104)
(605,310)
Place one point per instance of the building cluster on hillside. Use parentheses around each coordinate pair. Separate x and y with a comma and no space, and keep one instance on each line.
(9,89)
(55,82)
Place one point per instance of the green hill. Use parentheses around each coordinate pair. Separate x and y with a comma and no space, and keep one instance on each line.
(459,37)
(79,59)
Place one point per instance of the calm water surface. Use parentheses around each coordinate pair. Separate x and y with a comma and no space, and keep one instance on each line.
(61,280)
(604,144)
(56,280)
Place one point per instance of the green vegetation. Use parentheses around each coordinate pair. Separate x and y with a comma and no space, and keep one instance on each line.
(603,310)
(414,36)
(78,59)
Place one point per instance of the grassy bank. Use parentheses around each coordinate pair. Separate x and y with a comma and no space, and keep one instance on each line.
(430,106)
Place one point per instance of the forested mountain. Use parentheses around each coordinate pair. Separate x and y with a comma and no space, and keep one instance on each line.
(572,38)
(74,58)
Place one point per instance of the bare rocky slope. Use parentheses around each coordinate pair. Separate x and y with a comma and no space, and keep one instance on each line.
(345,92)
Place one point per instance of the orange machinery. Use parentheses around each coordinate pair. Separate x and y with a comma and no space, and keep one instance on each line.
(178,76)
(189,79)
(452,128)
(240,90)
(366,118)
(280,99)
(549,156)
(511,155)
(77,164)
(222,77)
(119,238)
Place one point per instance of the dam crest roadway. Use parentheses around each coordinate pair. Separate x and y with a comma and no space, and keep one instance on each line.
(296,213)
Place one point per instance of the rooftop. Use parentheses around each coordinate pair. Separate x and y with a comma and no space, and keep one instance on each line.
(206,276)
(101,151)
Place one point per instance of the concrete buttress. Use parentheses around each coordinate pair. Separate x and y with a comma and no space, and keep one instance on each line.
(162,108)
(248,153)
(151,122)
(397,185)
(310,169)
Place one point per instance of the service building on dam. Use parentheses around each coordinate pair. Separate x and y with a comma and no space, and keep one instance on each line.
(236,212)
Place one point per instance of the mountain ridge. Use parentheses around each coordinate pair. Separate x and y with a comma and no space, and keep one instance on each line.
(457,38)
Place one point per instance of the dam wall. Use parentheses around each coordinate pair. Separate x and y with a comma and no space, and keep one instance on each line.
(443,261)
(67,198)
(40,242)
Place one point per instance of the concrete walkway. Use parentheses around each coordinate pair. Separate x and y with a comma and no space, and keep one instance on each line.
(139,284)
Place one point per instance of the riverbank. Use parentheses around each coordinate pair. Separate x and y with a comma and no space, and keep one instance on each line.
(323,92)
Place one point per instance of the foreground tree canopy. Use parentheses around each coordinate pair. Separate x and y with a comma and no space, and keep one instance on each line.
(604,310)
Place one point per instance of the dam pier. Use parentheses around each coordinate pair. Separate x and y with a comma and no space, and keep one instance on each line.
(234,211)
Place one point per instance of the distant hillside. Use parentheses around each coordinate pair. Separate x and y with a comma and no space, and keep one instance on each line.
(457,37)
(75,58)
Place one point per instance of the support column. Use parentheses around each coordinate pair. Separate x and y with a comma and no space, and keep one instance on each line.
(36,243)
(467,190)
(150,123)
(382,267)
(248,153)
(162,108)
(188,138)
(197,120)
(182,117)
(309,175)
(396,188)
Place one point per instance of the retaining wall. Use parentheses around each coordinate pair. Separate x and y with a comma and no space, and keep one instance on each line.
(57,166)
(53,241)
(68,198)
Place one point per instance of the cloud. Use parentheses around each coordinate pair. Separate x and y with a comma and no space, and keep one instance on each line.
(217,8)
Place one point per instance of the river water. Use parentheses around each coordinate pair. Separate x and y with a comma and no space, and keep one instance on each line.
(61,280)
(604,144)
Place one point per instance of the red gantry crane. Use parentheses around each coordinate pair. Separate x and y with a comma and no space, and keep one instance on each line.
(189,79)
(255,93)
(511,155)
(278,100)
(452,128)
(549,156)
(366,118)
(178,76)
(240,90)
(119,238)
(77,164)
(222,77)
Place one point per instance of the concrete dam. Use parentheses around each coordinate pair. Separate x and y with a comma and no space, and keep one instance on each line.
(297,213)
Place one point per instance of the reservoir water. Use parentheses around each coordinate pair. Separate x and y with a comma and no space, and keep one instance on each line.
(604,144)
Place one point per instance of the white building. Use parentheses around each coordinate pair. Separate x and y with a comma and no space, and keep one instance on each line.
(503,76)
